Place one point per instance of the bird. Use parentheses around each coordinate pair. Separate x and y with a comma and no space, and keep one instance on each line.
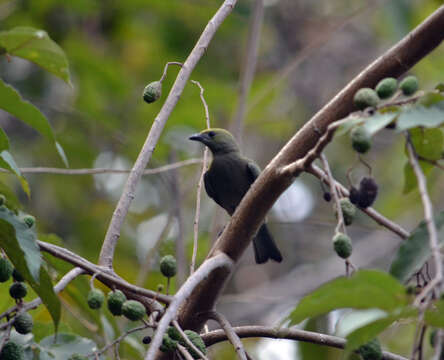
(227,180)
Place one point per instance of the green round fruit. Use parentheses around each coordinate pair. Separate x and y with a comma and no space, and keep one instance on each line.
(18,290)
(2,199)
(77,357)
(152,91)
(5,269)
(348,210)
(197,341)
(386,87)
(12,351)
(133,310)
(95,299)
(29,220)
(115,301)
(17,276)
(371,351)
(365,97)
(168,266)
(168,344)
(409,85)
(173,333)
(361,139)
(342,245)
(23,323)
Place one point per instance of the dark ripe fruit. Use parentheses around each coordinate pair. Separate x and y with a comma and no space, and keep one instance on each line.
(409,85)
(95,299)
(365,97)
(133,310)
(361,139)
(17,276)
(18,290)
(368,190)
(168,266)
(152,91)
(146,340)
(168,344)
(371,351)
(353,195)
(342,245)
(5,269)
(327,196)
(348,211)
(386,87)
(23,323)
(12,351)
(115,301)
(197,342)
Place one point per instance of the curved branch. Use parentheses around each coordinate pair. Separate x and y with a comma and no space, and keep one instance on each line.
(113,232)
(216,336)
(272,183)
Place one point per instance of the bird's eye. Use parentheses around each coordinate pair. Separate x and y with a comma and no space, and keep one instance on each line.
(211,134)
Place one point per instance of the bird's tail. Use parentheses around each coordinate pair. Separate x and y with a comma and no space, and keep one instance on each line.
(265,247)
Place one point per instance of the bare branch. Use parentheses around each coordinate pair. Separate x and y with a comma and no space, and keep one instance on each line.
(229,331)
(199,184)
(271,183)
(220,262)
(214,337)
(430,223)
(372,213)
(113,232)
(62,171)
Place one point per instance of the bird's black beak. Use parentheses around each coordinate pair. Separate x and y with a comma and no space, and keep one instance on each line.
(197,137)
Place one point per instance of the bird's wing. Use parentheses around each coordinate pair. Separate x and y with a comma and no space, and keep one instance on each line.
(210,189)
(253,171)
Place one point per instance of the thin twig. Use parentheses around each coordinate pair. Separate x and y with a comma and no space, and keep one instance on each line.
(121,210)
(200,183)
(188,341)
(231,334)
(165,69)
(184,352)
(430,223)
(62,171)
(219,261)
(216,336)
(248,68)
(372,213)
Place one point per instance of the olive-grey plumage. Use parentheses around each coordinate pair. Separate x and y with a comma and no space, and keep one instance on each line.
(228,179)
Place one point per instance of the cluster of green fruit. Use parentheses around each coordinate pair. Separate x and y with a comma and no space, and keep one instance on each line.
(173,337)
(117,304)
(371,350)
(17,290)
(384,90)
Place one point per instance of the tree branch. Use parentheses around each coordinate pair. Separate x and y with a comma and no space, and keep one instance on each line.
(221,263)
(113,232)
(251,212)
(216,336)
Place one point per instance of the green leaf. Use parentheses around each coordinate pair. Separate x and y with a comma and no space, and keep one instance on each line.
(19,243)
(364,334)
(435,315)
(62,153)
(7,162)
(13,103)
(62,346)
(4,140)
(348,123)
(364,290)
(410,181)
(377,122)
(415,251)
(36,46)
(428,112)
(428,143)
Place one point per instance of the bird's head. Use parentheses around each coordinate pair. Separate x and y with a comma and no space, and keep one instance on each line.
(219,141)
